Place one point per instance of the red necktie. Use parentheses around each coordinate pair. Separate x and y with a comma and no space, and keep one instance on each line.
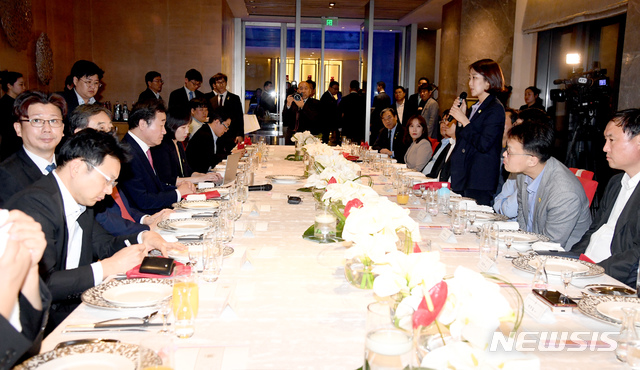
(123,210)
(150,159)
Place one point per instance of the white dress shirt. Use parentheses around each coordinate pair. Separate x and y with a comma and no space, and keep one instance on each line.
(81,101)
(40,162)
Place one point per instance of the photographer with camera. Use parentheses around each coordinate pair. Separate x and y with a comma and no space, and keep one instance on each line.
(302,112)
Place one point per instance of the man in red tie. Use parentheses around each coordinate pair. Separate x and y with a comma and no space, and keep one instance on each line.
(139,180)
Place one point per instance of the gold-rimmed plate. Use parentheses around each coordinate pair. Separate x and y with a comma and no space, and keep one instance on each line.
(94,297)
(186,224)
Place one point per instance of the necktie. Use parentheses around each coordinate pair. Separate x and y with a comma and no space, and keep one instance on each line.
(220,100)
(50,167)
(150,159)
(115,194)
(390,141)
(190,95)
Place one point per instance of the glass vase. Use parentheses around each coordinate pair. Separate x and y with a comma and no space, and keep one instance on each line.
(357,270)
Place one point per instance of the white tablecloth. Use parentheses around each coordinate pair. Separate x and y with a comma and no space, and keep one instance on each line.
(283,302)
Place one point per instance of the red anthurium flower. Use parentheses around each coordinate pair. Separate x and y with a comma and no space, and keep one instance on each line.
(430,307)
(247,141)
(416,248)
(332,180)
(241,146)
(350,204)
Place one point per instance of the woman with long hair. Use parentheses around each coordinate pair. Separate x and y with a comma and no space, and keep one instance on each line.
(420,151)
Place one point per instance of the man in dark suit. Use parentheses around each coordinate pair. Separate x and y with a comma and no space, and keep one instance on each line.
(302,112)
(207,147)
(439,167)
(613,239)
(227,104)
(400,105)
(139,180)
(40,126)
(380,102)
(86,79)
(154,83)
(80,254)
(353,113)
(268,101)
(181,97)
(329,109)
(414,100)
(391,138)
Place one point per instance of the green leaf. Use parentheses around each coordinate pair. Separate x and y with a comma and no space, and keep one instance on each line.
(305,190)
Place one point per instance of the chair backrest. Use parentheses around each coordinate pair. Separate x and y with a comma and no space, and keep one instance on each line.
(582,173)
(434,144)
(590,187)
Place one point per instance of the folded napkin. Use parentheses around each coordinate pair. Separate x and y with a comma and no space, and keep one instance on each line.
(179,270)
(547,246)
(433,184)
(508,225)
(583,257)
(240,145)
(207,195)
(206,185)
(350,157)
(247,141)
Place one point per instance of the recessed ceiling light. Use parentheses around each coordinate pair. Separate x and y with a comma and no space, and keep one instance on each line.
(332,5)
(426,28)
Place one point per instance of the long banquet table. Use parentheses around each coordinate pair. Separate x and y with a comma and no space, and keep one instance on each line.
(283,302)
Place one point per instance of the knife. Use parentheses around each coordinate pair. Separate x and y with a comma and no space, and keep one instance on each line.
(113,325)
(91,330)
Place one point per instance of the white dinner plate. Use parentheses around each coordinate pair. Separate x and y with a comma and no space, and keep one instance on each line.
(94,296)
(555,266)
(285,179)
(93,361)
(613,310)
(519,237)
(199,204)
(137,295)
(185,224)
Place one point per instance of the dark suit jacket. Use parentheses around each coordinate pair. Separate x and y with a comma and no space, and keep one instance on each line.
(625,246)
(330,116)
(380,102)
(109,216)
(11,143)
(141,185)
(353,110)
(16,173)
(179,97)
(166,162)
(439,162)
(475,160)
(72,100)
(412,104)
(147,95)
(201,153)
(15,346)
(399,146)
(43,202)
(309,117)
(232,108)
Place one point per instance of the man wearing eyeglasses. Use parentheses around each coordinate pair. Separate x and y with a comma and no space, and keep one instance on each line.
(39,124)
(86,79)
(154,83)
(181,97)
(80,254)
(207,147)
(551,200)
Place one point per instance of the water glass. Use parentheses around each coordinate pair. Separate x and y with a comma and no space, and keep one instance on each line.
(389,340)
(325,223)
(457,223)
(212,259)
(185,305)
(432,207)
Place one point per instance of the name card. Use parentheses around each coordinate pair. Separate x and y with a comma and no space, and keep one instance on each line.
(196,197)
(447,236)
(246,262)
(486,264)
(178,215)
(423,216)
(535,307)
(228,311)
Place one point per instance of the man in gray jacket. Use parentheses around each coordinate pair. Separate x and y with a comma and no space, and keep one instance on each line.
(551,200)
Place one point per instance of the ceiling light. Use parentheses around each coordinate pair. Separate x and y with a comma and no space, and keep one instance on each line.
(331,5)
(426,28)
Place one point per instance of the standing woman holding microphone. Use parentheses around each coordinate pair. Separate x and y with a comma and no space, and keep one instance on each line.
(475,160)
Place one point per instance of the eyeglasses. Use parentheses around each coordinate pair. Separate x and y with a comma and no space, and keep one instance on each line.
(38,122)
(91,83)
(158,81)
(509,154)
(110,182)
(225,125)
(196,83)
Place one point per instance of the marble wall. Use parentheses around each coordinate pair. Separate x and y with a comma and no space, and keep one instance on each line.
(630,72)
(473,30)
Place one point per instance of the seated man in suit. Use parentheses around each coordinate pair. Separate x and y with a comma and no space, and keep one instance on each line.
(39,124)
(302,112)
(181,96)
(390,140)
(89,164)
(114,213)
(613,239)
(24,299)
(207,148)
(380,102)
(227,104)
(154,83)
(139,180)
(86,79)
(551,200)
(440,165)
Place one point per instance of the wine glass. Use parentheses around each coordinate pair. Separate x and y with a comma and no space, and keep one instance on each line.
(508,240)
(195,255)
(166,307)
(567,275)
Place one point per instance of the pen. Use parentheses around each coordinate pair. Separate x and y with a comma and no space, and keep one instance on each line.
(127,243)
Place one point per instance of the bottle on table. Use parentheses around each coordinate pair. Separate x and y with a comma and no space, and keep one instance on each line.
(444,194)
(117,111)
(125,112)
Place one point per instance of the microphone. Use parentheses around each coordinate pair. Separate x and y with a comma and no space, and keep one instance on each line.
(265,187)
(463,96)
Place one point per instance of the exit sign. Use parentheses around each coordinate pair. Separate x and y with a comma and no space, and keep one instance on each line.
(331,22)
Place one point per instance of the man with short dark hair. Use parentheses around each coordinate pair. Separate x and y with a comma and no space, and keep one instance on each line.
(551,200)
(227,104)
(399,104)
(86,80)
(353,113)
(181,96)
(414,99)
(329,108)
(139,180)
(39,124)
(302,112)
(613,239)
(80,254)
(391,138)
(268,101)
(154,83)
(380,101)
(207,147)
(429,109)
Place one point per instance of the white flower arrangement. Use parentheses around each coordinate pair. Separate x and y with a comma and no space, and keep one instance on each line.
(344,192)
(401,273)
(317,148)
(303,138)
(332,166)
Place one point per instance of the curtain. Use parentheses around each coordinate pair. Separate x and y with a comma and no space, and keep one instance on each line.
(541,15)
